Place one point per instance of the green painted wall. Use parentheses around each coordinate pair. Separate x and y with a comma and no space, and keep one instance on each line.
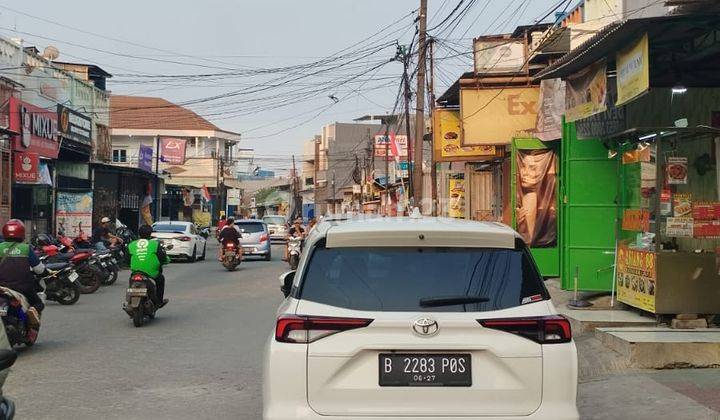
(588,212)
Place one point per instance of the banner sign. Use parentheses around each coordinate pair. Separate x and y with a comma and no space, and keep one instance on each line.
(38,129)
(536,197)
(447,138)
(606,123)
(172,150)
(74,125)
(495,116)
(74,212)
(586,92)
(633,71)
(456,204)
(394,144)
(679,227)
(706,210)
(145,156)
(26,168)
(552,108)
(636,275)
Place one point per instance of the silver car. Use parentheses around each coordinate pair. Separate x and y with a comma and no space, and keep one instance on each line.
(277,226)
(255,238)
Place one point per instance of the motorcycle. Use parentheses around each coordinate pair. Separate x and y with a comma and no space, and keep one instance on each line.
(294,249)
(108,265)
(141,300)
(204,231)
(231,256)
(61,283)
(127,236)
(85,262)
(13,311)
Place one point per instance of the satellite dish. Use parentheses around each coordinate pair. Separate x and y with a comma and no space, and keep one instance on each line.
(51,53)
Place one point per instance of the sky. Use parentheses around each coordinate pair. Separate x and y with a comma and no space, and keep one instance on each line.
(230,61)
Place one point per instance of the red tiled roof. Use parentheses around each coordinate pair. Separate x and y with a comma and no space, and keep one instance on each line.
(141,112)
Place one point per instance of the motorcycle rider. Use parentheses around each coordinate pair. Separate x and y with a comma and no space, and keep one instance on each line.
(230,233)
(296,229)
(102,234)
(221,224)
(148,257)
(18,262)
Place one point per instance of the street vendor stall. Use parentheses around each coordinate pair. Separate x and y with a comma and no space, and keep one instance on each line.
(669,219)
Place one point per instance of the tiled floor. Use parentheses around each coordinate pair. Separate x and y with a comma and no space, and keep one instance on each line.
(603,315)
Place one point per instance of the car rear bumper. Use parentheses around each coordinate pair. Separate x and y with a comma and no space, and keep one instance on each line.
(545,412)
(278,236)
(255,249)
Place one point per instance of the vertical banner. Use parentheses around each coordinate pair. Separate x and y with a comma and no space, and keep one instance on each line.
(636,274)
(586,92)
(633,71)
(552,108)
(73,212)
(172,150)
(145,155)
(26,168)
(456,204)
(536,197)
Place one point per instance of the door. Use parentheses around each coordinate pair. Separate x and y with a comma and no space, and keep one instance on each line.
(482,195)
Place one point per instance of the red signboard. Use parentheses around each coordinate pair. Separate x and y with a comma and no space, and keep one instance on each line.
(172,150)
(38,128)
(26,168)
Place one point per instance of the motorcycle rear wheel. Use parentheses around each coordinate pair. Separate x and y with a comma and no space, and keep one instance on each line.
(69,294)
(112,275)
(138,317)
(90,281)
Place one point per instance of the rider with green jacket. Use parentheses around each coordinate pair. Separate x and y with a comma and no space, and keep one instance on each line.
(148,256)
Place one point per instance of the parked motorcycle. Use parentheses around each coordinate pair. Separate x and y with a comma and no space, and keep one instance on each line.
(141,302)
(294,249)
(231,256)
(61,283)
(127,236)
(108,265)
(86,264)
(204,231)
(13,311)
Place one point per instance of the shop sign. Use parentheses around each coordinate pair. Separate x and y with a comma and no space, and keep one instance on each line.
(636,278)
(456,204)
(676,170)
(26,168)
(38,129)
(447,138)
(172,150)
(495,116)
(633,71)
(233,197)
(636,220)
(498,55)
(682,205)
(552,107)
(145,155)
(586,92)
(74,212)
(679,227)
(395,145)
(606,123)
(706,229)
(74,125)
(401,169)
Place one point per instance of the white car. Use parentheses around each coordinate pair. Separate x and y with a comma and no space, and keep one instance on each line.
(426,318)
(277,226)
(184,237)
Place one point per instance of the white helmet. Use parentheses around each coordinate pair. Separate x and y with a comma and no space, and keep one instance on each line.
(105,220)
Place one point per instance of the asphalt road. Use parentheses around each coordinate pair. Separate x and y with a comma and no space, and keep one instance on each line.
(201,358)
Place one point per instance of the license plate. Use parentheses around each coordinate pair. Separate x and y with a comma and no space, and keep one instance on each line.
(73,276)
(425,369)
(137,292)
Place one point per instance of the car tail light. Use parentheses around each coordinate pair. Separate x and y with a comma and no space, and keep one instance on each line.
(230,245)
(306,329)
(137,277)
(544,330)
(264,237)
(184,239)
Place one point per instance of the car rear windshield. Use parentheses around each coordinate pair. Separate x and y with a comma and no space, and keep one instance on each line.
(396,279)
(251,227)
(169,227)
(277,220)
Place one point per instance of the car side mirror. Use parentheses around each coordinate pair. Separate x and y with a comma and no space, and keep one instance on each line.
(286,282)
(7,358)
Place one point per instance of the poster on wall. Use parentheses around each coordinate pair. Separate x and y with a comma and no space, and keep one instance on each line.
(456,191)
(682,205)
(73,212)
(676,170)
(586,92)
(552,107)
(636,220)
(633,71)
(636,275)
(536,197)
(679,227)
(447,136)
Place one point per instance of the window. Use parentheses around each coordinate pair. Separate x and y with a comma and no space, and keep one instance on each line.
(251,227)
(309,181)
(396,279)
(119,155)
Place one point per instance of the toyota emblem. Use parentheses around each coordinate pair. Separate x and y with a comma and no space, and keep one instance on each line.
(425,327)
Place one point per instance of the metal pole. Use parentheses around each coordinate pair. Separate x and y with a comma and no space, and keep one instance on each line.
(157,178)
(417,182)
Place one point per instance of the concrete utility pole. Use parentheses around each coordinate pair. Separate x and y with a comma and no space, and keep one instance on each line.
(431,89)
(410,146)
(417,183)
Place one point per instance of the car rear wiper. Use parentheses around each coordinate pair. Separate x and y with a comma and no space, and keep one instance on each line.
(436,301)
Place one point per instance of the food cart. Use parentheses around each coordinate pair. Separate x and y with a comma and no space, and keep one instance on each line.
(668,238)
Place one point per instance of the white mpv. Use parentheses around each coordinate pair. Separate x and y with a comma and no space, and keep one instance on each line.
(418,318)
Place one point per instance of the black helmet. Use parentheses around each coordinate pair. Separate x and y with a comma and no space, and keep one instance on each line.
(145,232)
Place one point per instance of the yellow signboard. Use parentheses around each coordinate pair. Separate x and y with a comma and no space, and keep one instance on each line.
(633,71)
(495,116)
(447,138)
(636,275)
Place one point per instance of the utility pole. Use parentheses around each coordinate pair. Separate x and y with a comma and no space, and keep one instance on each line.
(333,192)
(431,89)
(387,172)
(410,155)
(420,108)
